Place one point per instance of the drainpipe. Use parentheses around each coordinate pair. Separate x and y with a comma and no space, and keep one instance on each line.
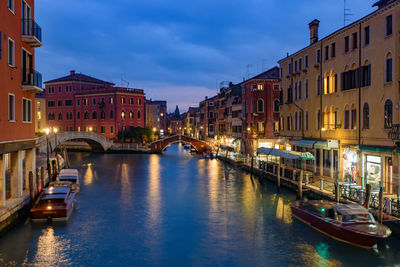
(321,90)
(359,88)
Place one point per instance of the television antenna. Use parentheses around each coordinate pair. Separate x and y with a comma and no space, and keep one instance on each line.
(346,13)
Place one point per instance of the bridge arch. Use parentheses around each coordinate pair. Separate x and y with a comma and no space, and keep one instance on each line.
(160,145)
(97,142)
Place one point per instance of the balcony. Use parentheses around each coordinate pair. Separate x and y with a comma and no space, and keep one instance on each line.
(31,81)
(31,33)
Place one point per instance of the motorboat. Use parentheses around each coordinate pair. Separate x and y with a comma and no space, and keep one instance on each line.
(55,203)
(68,177)
(349,223)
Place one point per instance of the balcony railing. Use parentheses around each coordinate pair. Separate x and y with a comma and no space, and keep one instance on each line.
(31,81)
(31,33)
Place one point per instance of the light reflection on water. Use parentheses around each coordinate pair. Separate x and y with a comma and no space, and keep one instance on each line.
(179,209)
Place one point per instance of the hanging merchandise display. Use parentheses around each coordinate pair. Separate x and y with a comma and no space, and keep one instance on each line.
(350,169)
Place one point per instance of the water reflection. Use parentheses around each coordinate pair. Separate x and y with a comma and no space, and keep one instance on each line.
(88,176)
(126,190)
(317,256)
(154,192)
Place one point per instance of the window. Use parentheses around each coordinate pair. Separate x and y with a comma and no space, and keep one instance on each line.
(389,25)
(349,79)
(94,101)
(326,52)
(59,103)
(123,100)
(11,5)
(102,114)
(78,102)
(86,115)
(102,129)
(11,107)
(290,68)
(68,103)
(276,105)
(318,56)
(260,87)
(78,115)
(211,115)
(333,50)
(366,35)
(353,117)
(51,116)
(131,100)
(26,110)
(60,116)
(138,114)
(111,100)
(300,67)
(299,96)
(389,68)
(295,121)
(103,100)
(111,114)
(388,114)
(295,66)
(11,52)
(51,104)
(111,129)
(85,101)
(94,115)
(139,101)
(59,89)
(306,91)
(130,114)
(346,118)
(295,91)
(306,61)
(366,74)
(366,116)
(346,44)
(354,40)
(260,106)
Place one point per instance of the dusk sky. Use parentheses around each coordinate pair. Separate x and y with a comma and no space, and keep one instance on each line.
(178,50)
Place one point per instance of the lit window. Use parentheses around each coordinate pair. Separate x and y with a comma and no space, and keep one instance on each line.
(260,87)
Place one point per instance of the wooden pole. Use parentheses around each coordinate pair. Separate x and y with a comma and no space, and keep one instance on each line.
(54,168)
(367,196)
(41,178)
(380,206)
(38,188)
(252,165)
(278,177)
(301,185)
(31,189)
(337,193)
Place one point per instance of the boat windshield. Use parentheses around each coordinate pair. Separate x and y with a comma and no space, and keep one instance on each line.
(52,201)
(68,179)
(357,218)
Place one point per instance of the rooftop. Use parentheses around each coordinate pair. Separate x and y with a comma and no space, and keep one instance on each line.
(269,74)
(79,77)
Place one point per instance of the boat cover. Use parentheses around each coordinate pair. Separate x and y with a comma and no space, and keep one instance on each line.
(350,209)
(57,190)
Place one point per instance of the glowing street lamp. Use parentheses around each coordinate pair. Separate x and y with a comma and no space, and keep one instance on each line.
(90,129)
(55,130)
(47,131)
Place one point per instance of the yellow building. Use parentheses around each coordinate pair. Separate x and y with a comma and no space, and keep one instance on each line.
(341,99)
(40,113)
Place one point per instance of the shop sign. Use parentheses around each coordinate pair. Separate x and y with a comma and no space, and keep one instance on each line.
(333,143)
(265,144)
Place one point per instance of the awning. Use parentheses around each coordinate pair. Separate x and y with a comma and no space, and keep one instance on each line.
(377,148)
(303,143)
(322,145)
(236,139)
(281,141)
(285,154)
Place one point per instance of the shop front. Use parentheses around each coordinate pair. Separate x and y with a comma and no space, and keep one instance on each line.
(351,166)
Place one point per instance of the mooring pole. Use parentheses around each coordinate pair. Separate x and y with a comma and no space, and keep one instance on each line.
(252,165)
(380,206)
(367,196)
(278,177)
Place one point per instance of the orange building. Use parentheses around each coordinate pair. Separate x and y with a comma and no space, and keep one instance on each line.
(19,81)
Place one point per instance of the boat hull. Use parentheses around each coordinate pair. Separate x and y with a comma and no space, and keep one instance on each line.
(42,215)
(335,230)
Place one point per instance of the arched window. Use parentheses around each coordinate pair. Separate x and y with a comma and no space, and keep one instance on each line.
(138,114)
(332,118)
(86,115)
(306,119)
(60,116)
(50,117)
(123,114)
(102,114)
(388,114)
(326,83)
(366,116)
(111,114)
(276,105)
(346,117)
(353,117)
(299,121)
(295,121)
(78,115)
(260,105)
(325,121)
(94,115)
(130,114)
(333,82)
(389,68)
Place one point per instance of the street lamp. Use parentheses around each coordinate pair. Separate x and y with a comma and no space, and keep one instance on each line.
(123,130)
(47,131)
(55,130)
(90,129)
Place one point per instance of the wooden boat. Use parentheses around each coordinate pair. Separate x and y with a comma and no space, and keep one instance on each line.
(68,177)
(55,203)
(348,223)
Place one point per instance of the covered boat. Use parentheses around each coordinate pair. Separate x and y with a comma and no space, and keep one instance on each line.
(55,203)
(69,178)
(350,223)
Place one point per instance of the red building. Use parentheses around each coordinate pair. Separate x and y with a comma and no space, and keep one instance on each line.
(82,103)
(261,99)
(19,81)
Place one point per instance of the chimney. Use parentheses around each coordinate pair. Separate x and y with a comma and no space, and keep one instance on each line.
(72,73)
(313,25)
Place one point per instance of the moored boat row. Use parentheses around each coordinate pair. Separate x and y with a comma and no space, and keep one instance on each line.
(56,202)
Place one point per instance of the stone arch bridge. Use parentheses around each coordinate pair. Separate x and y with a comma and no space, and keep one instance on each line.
(97,142)
(160,145)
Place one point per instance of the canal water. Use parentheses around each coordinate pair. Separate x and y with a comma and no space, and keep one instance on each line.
(179,209)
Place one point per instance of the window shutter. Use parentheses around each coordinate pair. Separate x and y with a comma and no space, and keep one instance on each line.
(369,75)
(357,78)
(342,81)
(335,83)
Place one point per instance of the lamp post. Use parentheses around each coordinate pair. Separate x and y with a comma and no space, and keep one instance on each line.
(48,156)
(123,130)
(55,130)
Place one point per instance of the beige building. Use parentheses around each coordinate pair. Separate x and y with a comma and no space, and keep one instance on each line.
(341,100)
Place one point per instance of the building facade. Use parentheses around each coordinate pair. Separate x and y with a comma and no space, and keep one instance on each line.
(78,102)
(18,85)
(156,116)
(340,97)
(40,112)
